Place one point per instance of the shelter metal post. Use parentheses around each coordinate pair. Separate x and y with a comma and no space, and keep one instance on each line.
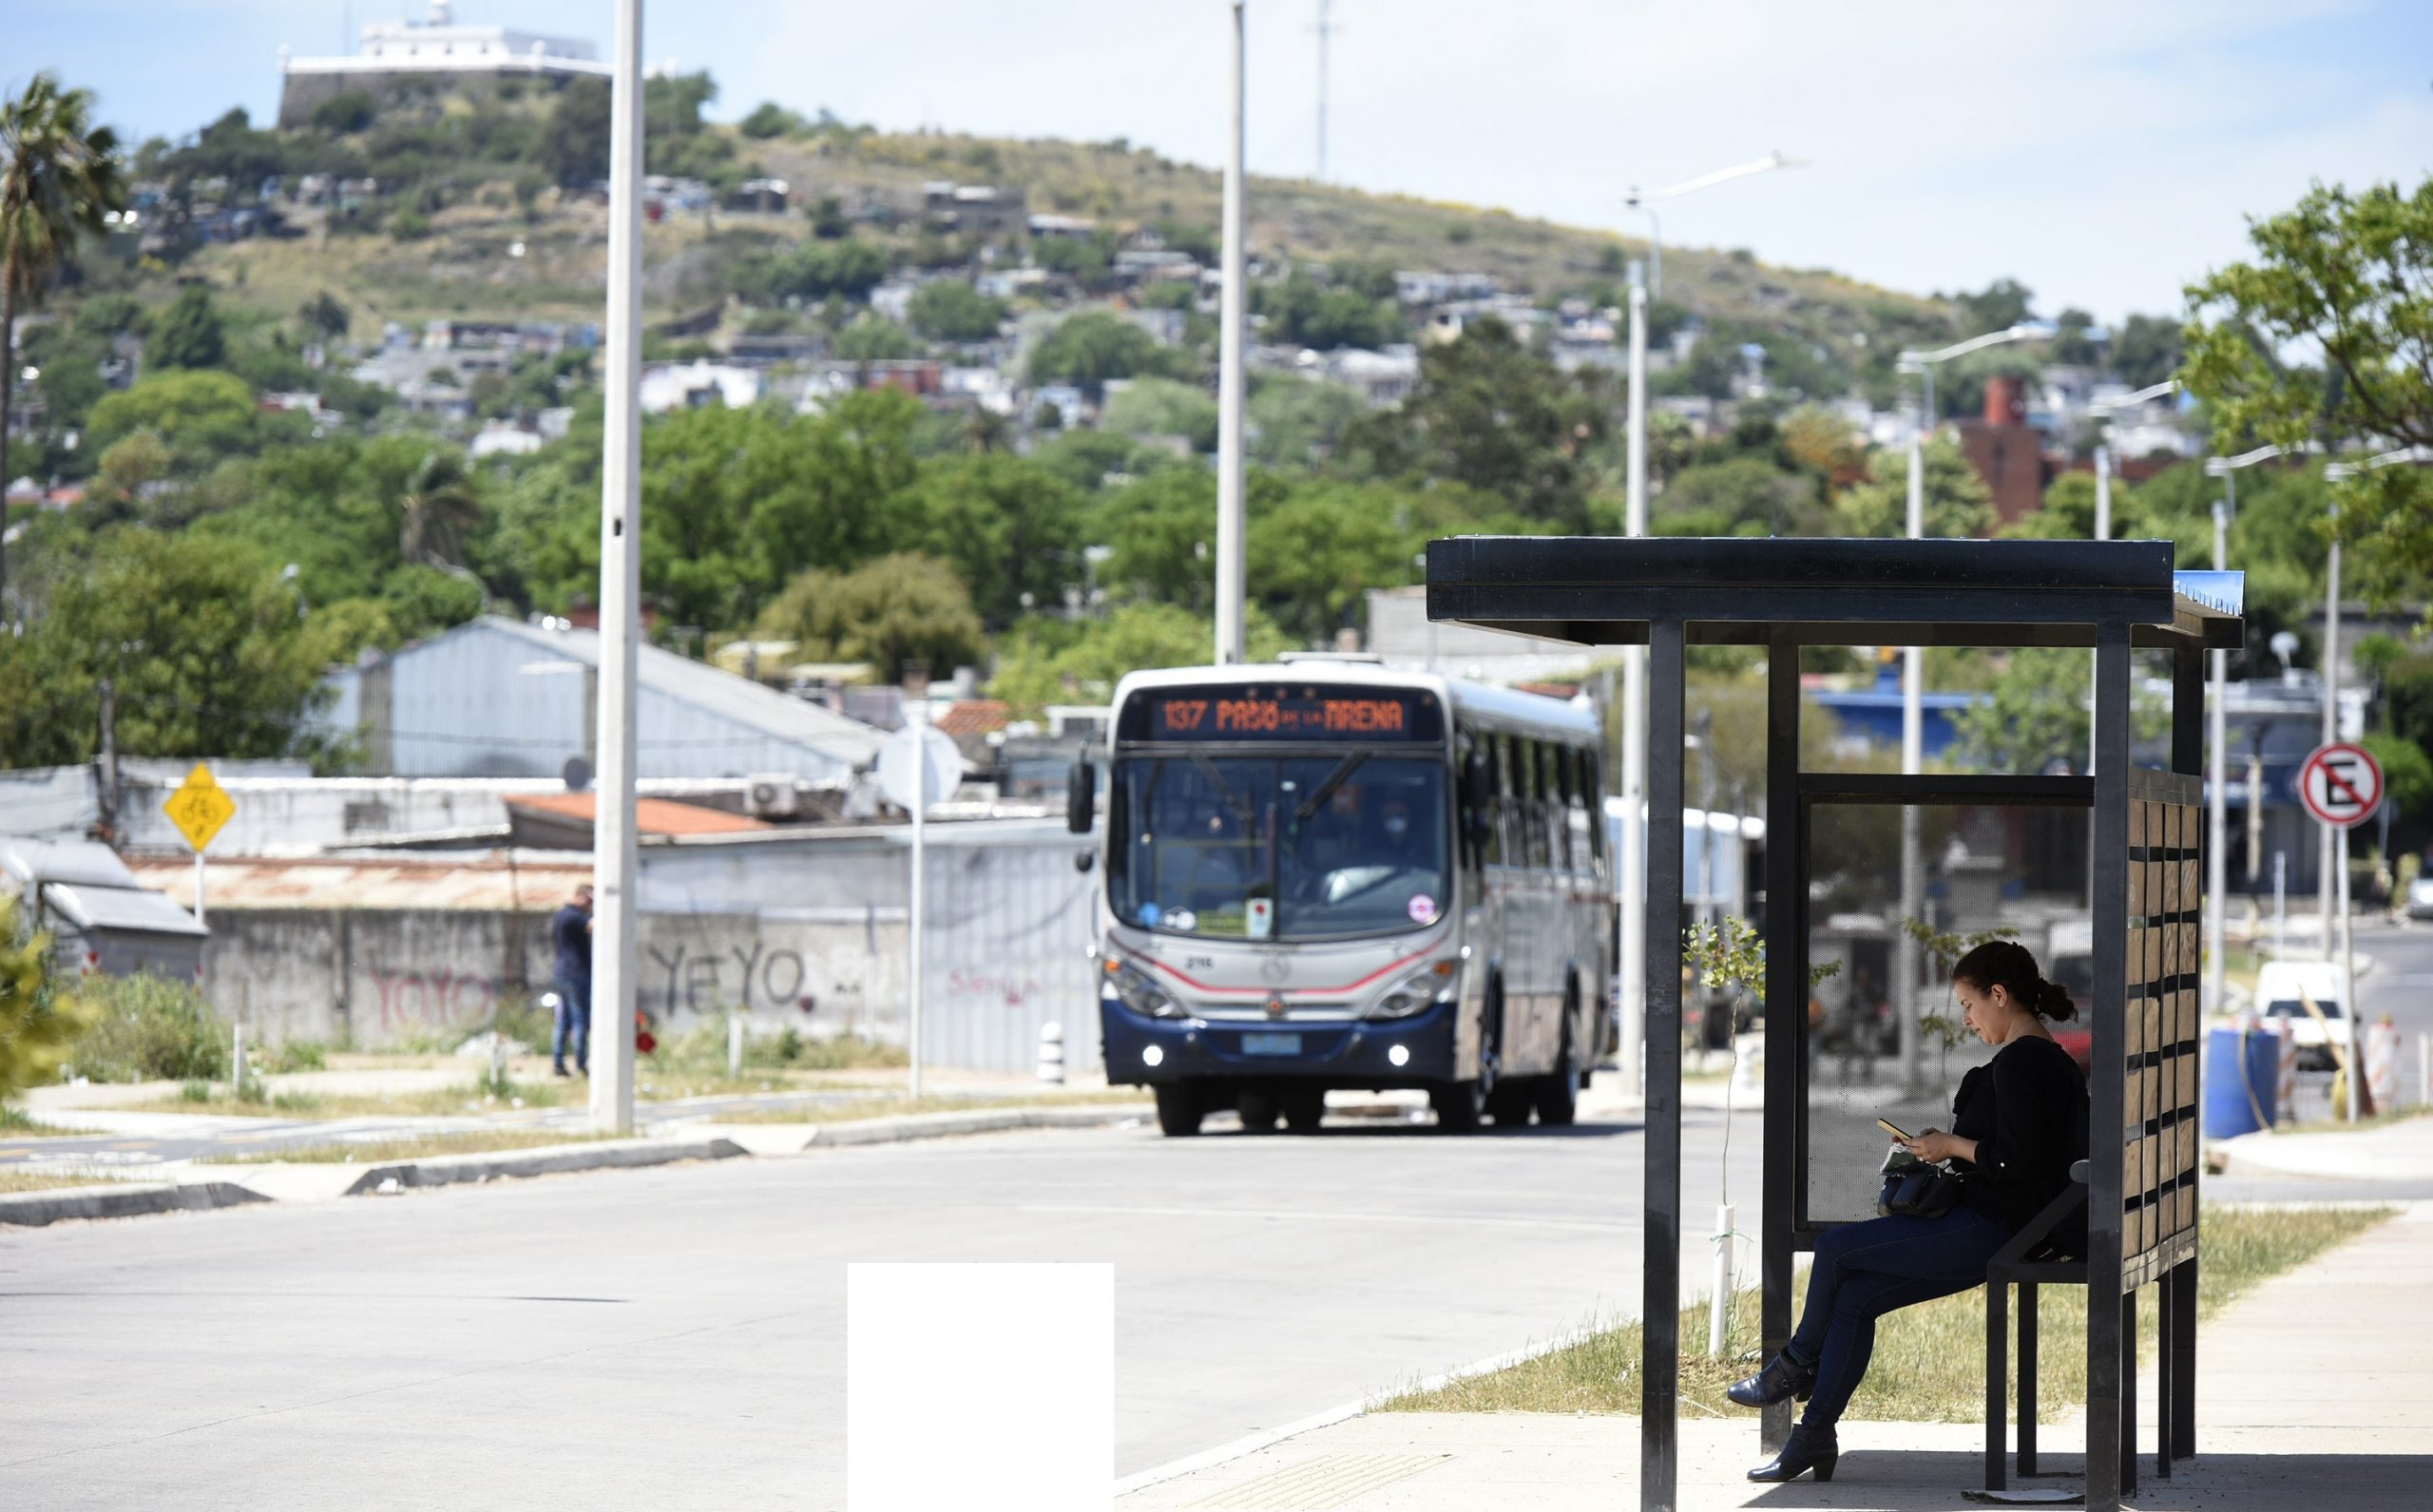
(1660,1298)
(2108,906)
(1786,1028)
(2176,1402)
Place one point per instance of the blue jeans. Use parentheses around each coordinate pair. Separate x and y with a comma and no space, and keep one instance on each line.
(574,1022)
(1864,1271)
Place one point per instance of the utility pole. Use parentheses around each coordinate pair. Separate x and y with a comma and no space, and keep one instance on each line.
(615,957)
(1325,29)
(1633,861)
(1913,760)
(108,795)
(1229,376)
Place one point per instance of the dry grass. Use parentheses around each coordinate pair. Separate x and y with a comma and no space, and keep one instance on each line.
(374,1152)
(16,1123)
(472,1096)
(16,1178)
(1929,1360)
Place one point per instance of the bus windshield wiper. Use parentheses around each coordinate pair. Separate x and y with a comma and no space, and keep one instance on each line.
(1316,800)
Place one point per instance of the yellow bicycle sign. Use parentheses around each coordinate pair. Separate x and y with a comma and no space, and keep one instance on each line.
(200,807)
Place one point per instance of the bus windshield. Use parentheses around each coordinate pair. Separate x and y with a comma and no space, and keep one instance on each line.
(1279,848)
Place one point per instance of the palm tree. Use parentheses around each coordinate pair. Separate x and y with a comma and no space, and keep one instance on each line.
(438,510)
(59,175)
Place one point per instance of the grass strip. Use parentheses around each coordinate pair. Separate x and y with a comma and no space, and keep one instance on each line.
(375,1152)
(1929,1363)
(255,1102)
(13,1178)
(16,1123)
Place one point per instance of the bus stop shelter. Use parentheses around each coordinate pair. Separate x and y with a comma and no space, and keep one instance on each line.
(2145,841)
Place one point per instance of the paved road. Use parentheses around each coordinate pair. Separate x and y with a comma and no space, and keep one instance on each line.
(673,1338)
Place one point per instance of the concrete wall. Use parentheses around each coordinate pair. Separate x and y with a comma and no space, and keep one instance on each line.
(806,934)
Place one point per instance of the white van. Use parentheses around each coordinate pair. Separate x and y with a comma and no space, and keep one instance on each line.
(2283,988)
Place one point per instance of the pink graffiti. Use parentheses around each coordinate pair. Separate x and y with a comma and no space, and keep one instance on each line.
(1014,993)
(439,996)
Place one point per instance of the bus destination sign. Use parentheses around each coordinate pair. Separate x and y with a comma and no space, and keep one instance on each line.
(1292,714)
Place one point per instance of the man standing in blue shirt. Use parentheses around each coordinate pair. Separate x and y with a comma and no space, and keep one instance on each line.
(570,931)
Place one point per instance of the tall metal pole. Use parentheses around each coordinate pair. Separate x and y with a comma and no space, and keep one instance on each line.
(2103,492)
(1325,29)
(2323,887)
(2216,794)
(1913,739)
(1634,858)
(613,953)
(1229,376)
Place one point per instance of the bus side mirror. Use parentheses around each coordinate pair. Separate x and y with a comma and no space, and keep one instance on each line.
(1080,797)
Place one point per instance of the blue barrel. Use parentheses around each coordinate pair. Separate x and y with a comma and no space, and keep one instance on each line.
(2237,1093)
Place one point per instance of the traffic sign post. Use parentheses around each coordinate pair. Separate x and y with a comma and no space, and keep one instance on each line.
(919,765)
(199,809)
(2342,786)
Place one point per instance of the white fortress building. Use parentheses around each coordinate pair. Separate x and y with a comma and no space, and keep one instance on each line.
(433,52)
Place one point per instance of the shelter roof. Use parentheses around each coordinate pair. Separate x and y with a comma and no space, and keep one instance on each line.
(486,881)
(1604,590)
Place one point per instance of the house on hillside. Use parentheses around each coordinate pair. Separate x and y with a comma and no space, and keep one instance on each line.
(500,697)
(434,52)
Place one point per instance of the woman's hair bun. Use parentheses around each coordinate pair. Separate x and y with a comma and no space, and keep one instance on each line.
(2010,965)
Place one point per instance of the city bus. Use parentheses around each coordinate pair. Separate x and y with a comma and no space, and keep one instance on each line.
(1322,874)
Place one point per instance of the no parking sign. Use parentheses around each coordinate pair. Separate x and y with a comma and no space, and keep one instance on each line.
(2340,785)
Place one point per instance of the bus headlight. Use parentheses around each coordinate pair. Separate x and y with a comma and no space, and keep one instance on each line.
(1417,992)
(1136,992)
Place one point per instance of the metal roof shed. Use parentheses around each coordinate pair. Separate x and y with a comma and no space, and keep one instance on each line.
(100,917)
(2147,841)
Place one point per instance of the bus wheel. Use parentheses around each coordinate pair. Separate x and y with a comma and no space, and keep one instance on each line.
(1559,1094)
(1304,1110)
(1459,1105)
(1257,1111)
(1178,1109)
(1508,1105)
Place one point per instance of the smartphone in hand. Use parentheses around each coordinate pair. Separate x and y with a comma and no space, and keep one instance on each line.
(1893,1129)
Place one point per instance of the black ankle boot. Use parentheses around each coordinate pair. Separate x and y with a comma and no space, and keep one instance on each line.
(1806,1449)
(1782,1379)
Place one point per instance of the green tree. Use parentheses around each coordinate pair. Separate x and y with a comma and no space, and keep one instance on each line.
(59,175)
(874,338)
(1162,407)
(2349,276)
(902,607)
(1295,422)
(323,313)
(574,144)
(2036,713)
(1495,416)
(1999,306)
(205,643)
(39,1022)
(200,415)
(1036,670)
(770,120)
(2074,343)
(1304,312)
(1011,528)
(952,310)
(187,333)
(1956,501)
(1090,348)
(1744,496)
(1314,554)
(437,509)
(2407,773)
(2146,350)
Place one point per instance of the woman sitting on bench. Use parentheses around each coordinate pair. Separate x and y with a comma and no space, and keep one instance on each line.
(2017,1126)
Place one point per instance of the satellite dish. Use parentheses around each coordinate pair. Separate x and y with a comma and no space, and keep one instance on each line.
(578,773)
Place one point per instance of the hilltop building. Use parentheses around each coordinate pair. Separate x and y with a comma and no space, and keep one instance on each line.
(433,53)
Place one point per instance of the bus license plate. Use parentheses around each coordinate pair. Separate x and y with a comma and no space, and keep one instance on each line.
(1270,1044)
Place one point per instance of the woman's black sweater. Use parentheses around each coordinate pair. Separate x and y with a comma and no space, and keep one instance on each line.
(2027,1111)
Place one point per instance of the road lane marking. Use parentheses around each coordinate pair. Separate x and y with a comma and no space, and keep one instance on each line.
(1338,1215)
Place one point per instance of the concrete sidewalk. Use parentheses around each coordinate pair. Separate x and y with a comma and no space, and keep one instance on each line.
(2401,1150)
(2316,1392)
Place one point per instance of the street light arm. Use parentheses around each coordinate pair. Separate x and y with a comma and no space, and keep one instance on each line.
(2123,401)
(1742,170)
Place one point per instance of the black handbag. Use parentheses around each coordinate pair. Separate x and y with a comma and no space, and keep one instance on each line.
(1917,1189)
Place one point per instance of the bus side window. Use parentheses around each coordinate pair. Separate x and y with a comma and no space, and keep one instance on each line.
(1528,836)
(1550,805)
(1497,778)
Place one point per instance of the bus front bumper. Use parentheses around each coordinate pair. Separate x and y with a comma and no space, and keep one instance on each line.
(1377,1054)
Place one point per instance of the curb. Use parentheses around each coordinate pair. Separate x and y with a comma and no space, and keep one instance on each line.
(115,1201)
(909,1126)
(449,1170)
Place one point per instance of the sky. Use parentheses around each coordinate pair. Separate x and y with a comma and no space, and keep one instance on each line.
(2103,153)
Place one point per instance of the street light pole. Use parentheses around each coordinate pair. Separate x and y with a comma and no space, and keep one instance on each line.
(1647,282)
(2112,408)
(1230,640)
(614,954)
